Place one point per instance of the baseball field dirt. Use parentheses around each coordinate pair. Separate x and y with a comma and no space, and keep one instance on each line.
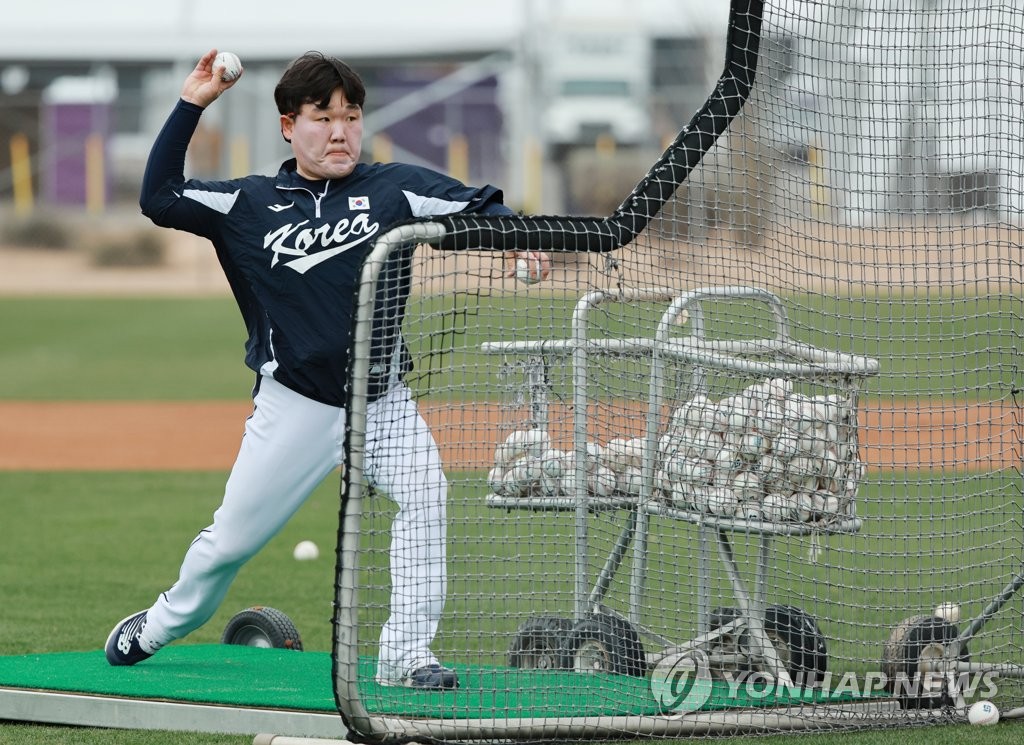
(154,435)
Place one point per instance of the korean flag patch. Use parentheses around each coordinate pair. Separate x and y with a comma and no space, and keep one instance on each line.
(359,203)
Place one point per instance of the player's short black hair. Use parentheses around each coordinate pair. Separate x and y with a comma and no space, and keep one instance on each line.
(313,78)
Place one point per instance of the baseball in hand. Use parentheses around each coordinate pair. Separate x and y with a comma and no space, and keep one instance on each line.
(529,271)
(232,65)
(305,551)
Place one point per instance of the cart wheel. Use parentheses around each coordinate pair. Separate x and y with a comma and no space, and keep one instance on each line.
(726,652)
(260,626)
(539,644)
(917,646)
(794,634)
(605,643)
(799,642)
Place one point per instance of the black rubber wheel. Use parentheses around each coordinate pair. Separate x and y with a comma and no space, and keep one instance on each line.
(794,634)
(261,626)
(539,644)
(605,643)
(918,645)
(801,641)
(726,652)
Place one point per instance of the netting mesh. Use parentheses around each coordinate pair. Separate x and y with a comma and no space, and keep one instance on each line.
(761,467)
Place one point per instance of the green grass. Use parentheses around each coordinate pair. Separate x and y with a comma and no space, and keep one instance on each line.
(73,534)
(103,348)
(174,349)
(68,536)
(859,587)
(66,584)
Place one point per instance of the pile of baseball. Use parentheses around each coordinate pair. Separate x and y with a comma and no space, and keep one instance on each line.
(766,453)
(525,465)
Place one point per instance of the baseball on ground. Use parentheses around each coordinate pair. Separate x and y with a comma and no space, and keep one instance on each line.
(983,712)
(305,551)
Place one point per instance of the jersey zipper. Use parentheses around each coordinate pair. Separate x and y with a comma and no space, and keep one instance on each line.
(316,197)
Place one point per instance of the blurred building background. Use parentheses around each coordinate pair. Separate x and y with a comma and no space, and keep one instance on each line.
(503,93)
(563,103)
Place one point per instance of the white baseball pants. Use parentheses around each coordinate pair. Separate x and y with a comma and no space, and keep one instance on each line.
(291,444)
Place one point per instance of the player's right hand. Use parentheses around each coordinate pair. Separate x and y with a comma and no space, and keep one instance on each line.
(202,87)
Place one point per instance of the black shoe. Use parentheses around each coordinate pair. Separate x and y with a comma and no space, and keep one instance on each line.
(123,643)
(431,677)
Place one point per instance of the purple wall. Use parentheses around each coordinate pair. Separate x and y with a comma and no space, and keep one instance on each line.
(473,112)
(65,129)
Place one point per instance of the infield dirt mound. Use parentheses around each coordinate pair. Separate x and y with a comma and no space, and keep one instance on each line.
(191,436)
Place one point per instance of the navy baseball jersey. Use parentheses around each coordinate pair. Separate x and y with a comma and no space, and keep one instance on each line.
(292,249)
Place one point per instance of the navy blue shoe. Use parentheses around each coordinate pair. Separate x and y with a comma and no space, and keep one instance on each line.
(431,677)
(123,643)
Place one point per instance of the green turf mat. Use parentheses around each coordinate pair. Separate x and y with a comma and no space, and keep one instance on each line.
(280,679)
(203,673)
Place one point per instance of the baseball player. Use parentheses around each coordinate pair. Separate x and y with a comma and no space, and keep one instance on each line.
(291,247)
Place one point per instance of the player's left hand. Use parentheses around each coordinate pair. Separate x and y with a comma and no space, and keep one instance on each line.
(530,257)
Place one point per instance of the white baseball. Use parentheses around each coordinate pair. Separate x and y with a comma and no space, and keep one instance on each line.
(770,420)
(617,454)
(786,444)
(799,412)
(777,507)
(721,502)
(693,471)
(983,712)
(232,65)
(553,463)
(601,482)
(521,442)
(780,388)
(668,445)
(691,442)
(677,420)
(818,503)
(802,506)
(831,505)
(708,418)
(746,486)
(752,445)
(517,479)
(698,411)
(771,469)
(533,468)
(305,551)
(682,496)
(727,463)
(529,271)
(496,480)
(832,407)
(802,467)
(948,611)
(630,481)
(567,483)
(636,447)
(548,486)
